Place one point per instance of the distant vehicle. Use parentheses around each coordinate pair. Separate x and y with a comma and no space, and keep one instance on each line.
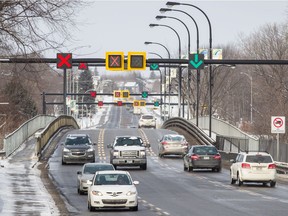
(128,151)
(112,189)
(202,157)
(87,172)
(78,148)
(147,120)
(256,167)
(137,110)
(172,144)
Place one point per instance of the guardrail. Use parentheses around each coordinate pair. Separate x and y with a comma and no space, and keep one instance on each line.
(204,139)
(181,123)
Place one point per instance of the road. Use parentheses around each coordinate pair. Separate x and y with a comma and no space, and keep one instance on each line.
(165,188)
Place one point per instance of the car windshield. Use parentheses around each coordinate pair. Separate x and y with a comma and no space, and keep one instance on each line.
(205,150)
(147,117)
(128,141)
(259,159)
(112,179)
(93,169)
(77,140)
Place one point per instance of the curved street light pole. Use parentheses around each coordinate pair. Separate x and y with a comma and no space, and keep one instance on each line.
(165,74)
(189,48)
(163,10)
(161,82)
(210,57)
(179,90)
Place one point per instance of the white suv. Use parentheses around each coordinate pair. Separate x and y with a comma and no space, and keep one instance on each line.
(147,121)
(256,167)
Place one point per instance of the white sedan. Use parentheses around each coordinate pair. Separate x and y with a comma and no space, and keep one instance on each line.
(113,189)
(87,172)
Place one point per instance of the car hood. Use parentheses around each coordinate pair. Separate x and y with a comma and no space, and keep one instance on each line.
(78,146)
(113,188)
(123,148)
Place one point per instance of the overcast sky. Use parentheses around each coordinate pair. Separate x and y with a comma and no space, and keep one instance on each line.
(115,25)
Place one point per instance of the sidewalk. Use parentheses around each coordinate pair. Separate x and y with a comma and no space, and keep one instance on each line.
(22,191)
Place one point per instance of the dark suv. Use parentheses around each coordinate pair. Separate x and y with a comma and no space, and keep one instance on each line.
(78,148)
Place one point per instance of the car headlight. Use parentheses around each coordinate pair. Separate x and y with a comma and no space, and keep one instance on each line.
(142,153)
(84,180)
(66,150)
(130,193)
(90,150)
(97,193)
(115,153)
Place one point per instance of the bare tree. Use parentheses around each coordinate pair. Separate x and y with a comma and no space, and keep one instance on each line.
(33,25)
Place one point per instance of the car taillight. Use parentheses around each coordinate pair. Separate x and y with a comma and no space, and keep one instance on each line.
(164,143)
(194,157)
(217,157)
(245,166)
(272,166)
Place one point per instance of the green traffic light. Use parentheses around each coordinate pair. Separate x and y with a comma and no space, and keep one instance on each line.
(156,103)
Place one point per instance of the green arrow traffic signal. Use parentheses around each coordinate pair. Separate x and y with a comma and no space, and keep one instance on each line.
(156,103)
(144,94)
(196,61)
(154,66)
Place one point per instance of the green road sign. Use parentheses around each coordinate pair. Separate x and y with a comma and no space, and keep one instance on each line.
(154,66)
(196,61)
(144,94)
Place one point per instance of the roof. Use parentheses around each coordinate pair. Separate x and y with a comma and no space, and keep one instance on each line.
(112,172)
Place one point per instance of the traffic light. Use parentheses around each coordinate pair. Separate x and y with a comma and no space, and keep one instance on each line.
(125,93)
(119,103)
(114,61)
(156,103)
(117,94)
(154,66)
(136,61)
(142,103)
(145,94)
(100,103)
(93,94)
(136,103)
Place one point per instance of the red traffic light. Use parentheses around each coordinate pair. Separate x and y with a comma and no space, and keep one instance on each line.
(100,103)
(119,103)
(83,66)
(93,94)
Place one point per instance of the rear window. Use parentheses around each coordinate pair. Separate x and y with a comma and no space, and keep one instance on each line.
(93,169)
(259,159)
(205,150)
(147,117)
(177,138)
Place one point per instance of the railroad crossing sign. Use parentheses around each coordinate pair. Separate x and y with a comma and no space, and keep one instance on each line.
(277,124)
(64,60)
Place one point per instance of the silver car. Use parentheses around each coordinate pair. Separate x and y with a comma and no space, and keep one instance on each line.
(87,172)
(78,148)
(172,144)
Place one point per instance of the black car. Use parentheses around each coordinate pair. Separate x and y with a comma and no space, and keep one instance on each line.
(202,157)
(78,148)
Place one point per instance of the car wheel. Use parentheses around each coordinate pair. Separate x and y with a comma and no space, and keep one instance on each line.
(272,183)
(115,167)
(233,181)
(160,155)
(135,208)
(91,208)
(189,168)
(184,167)
(240,183)
(219,169)
(144,166)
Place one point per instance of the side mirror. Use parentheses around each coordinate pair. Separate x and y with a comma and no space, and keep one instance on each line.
(62,143)
(232,160)
(109,146)
(94,143)
(79,173)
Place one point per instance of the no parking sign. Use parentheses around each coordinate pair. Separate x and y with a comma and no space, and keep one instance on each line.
(277,124)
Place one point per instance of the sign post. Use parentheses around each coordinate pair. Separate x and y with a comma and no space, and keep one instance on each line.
(278,126)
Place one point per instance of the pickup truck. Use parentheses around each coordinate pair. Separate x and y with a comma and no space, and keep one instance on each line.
(128,151)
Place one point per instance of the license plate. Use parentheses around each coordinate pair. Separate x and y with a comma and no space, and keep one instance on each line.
(258,168)
(129,161)
(206,158)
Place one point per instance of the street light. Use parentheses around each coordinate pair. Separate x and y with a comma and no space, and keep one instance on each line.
(161,82)
(165,73)
(251,95)
(210,55)
(163,10)
(189,47)
(179,41)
